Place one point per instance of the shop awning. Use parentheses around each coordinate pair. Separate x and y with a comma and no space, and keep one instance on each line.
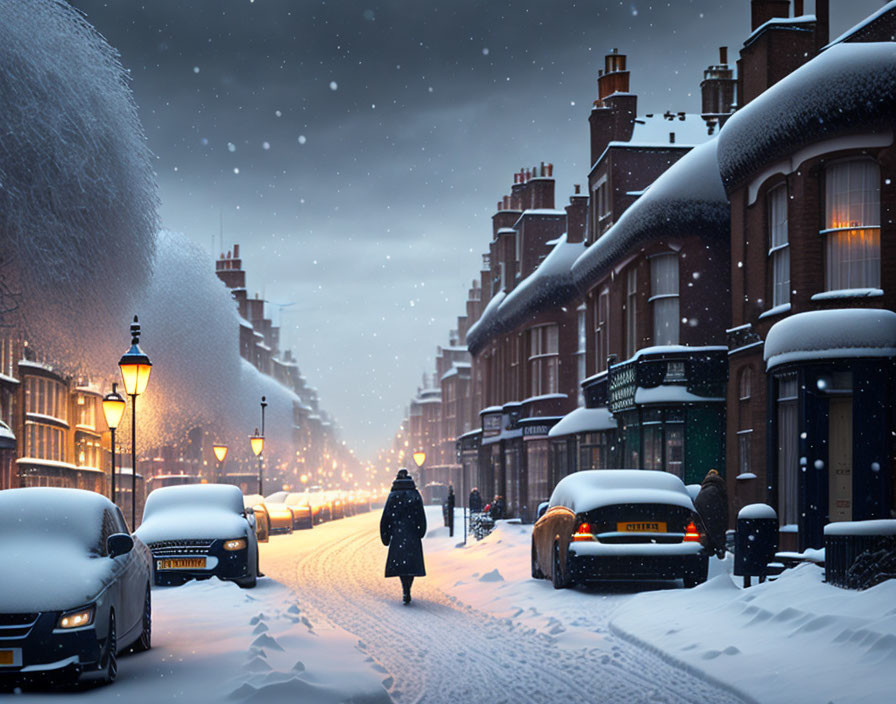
(831,334)
(584,420)
(7,437)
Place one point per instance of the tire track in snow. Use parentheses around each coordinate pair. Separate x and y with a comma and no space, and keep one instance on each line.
(439,650)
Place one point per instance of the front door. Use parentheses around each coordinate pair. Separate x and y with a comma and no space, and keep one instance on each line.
(840,459)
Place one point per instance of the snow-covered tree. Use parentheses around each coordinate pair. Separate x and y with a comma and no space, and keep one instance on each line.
(78,196)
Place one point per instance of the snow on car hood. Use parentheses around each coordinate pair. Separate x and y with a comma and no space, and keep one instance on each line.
(192,522)
(44,574)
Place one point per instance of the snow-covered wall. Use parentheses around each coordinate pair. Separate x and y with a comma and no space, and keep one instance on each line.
(78,197)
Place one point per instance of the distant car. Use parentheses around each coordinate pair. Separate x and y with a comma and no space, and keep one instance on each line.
(200,531)
(301,511)
(619,524)
(261,517)
(75,587)
(281,515)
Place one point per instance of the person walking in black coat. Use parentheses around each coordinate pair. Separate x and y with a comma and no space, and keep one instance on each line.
(712,506)
(402,528)
(475,501)
(450,501)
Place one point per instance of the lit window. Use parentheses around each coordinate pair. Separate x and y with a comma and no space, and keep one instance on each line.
(852,225)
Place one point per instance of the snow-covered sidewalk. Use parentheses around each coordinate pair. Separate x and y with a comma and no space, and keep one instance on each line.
(795,639)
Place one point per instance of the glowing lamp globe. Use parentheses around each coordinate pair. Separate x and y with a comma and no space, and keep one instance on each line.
(419,458)
(113,407)
(257,442)
(135,365)
(220,451)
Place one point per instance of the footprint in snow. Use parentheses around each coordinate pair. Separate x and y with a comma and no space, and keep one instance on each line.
(379,668)
(256,619)
(298,667)
(256,664)
(493,576)
(731,650)
(362,645)
(307,623)
(260,628)
(265,641)
(711,654)
(388,682)
(459,583)
(293,609)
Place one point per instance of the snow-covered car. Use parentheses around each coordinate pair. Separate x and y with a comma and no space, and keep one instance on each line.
(619,524)
(301,510)
(282,516)
(259,516)
(199,531)
(74,587)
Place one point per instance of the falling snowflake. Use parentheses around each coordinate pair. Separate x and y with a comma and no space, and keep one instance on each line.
(302,139)
(231,147)
(334,85)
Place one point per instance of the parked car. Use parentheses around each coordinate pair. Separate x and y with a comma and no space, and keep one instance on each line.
(259,515)
(301,511)
(75,587)
(200,531)
(619,524)
(282,517)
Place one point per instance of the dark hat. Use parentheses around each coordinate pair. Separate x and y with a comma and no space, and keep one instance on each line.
(402,474)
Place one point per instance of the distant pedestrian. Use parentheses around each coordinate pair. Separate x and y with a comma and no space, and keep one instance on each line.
(712,506)
(402,528)
(496,511)
(475,501)
(451,503)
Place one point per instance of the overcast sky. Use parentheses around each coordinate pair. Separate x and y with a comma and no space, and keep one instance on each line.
(356,150)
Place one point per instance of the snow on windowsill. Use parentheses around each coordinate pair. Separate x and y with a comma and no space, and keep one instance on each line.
(848,293)
(777,310)
(873,527)
(789,528)
(745,476)
(9,379)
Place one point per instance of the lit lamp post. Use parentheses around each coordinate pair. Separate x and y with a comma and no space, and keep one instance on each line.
(220,455)
(113,409)
(419,458)
(135,367)
(257,443)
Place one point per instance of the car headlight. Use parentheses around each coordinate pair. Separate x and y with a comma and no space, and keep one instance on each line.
(76,619)
(237,544)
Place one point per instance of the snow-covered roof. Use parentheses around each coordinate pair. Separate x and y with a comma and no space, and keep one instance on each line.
(584,420)
(549,285)
(831,334)
(875,527)
(485,321)
(670,393)
(653,129)
(857,30)
(849,88)
(687,199)
(596,488)
(754,511)
(805,22)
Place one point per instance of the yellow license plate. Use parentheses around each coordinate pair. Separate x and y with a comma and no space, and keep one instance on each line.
(181,563)
(7,657)
(641,527)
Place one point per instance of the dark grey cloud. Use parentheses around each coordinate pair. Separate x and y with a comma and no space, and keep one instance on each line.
(414,116)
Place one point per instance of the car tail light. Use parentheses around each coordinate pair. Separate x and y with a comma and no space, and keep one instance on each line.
(583,532)
(691,534)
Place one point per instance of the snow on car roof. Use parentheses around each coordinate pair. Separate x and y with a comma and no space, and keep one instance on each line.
(584,420)
(220,496)
(73,514)
(596,488)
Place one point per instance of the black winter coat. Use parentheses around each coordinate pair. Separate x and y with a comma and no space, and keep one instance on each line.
(402,528)
(475,501)
(712,505)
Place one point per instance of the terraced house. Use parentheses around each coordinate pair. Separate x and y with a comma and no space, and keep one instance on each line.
(721,297)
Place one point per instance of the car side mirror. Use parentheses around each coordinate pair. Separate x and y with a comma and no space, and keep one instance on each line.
(119,544)
(248,511)
(542,509)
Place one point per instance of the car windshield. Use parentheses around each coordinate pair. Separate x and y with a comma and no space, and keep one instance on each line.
(278,497)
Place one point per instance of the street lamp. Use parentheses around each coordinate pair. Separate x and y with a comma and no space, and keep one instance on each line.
(113,409)
(221,455)
(419,458)
(135,367)
(256,441)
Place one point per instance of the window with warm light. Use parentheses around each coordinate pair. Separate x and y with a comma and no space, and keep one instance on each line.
(852,225)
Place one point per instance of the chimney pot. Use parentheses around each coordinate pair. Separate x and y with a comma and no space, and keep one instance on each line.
(723,55)
(228,254)
(236,251)
(797,8)
(550,170)
(578,189)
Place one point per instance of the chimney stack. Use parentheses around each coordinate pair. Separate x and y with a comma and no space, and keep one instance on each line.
(822,24)
(614,78)
(717,91)
(723,55)
(761,11)
(797,8)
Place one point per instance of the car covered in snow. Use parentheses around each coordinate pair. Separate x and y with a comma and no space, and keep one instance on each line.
(199,531)
(75,586)
(619,524)
(258,516)
(282,516)
(301,510)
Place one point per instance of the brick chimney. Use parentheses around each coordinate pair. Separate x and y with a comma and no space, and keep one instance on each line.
(576,214)
(717,90)
(229,268)
(541,187)
(612,118)
(822,24)
(761,11)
